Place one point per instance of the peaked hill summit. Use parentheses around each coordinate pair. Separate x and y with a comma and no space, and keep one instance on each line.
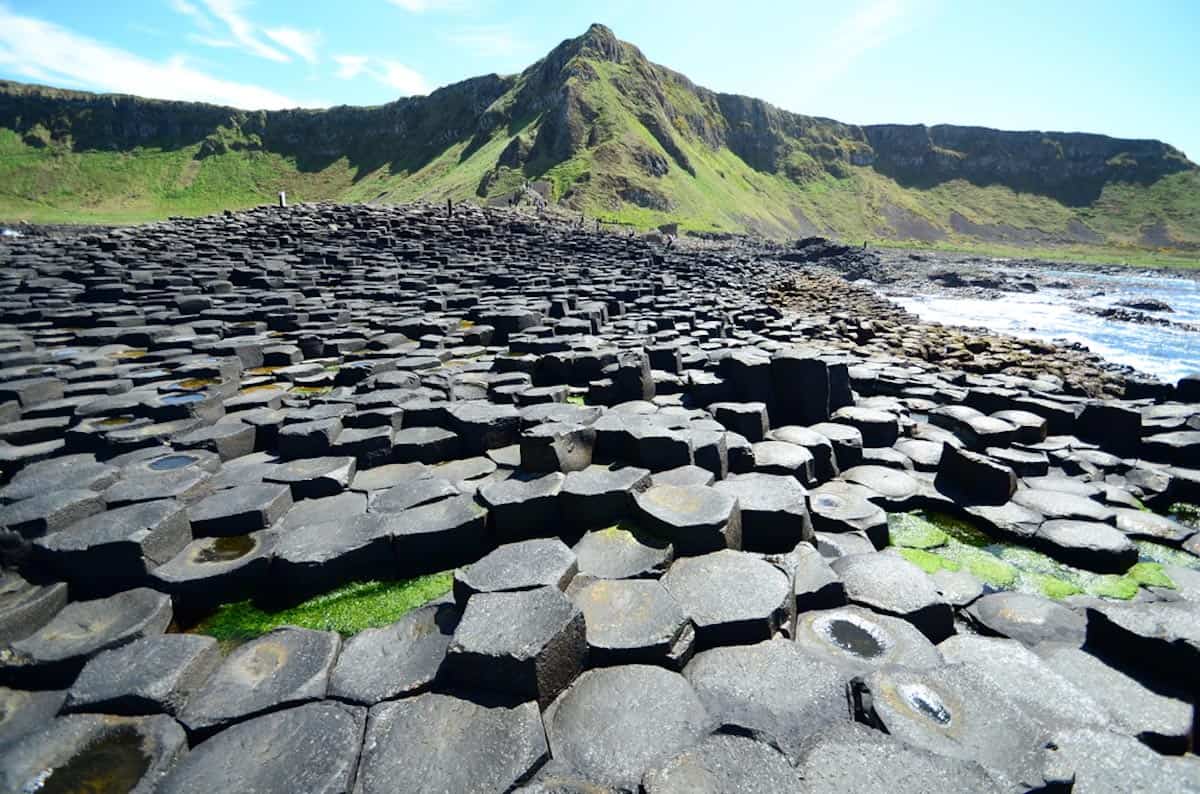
(595,127)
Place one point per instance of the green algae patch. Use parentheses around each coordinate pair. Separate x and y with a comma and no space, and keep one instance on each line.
(935,541)
(1150,574)
(928,561)
(914,531)
(987,567)
(1149,551)
(1122,588)
(575,400)
(1051,586)
(347,610)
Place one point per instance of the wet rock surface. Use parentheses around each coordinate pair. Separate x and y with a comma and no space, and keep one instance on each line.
(673,490)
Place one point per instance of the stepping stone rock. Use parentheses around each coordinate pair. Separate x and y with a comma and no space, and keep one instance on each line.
(1047,697)
(1027,618)
(745,419)
(284,667)
(153,675)
(438,742)
(529,644)
(439,536)
(1161,722)
(78,752)
(211,571)
(314,478)
(971,478)
(774,511)
(696,519)
(53,655)
(851,758)
(847,442)
(894,586)
(599,496)
(1087,544)
(556,446)
(878,428)
(633,622)
(1057,504)
(1141,525)
(240,510)
(788,460)
(316,558)
(23,712)
(724,763)
(620,553)
(412,493)
(118,546)
(616,723)
(838,507)
(895,488)
(524,507)
(857,640)
(311,748)
(526,565)
(1109,763)
(27,607)
(957,712)
(772,691)
(731,597)
(50,511)
(816,585)
(1168,633)
(397,660)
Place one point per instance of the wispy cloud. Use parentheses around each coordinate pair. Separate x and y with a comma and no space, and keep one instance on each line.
(242,30)
(46,52)
(869,26)
(224,24)
(421,6)
(303,43)
(350,66)
(488,41)
(405,79)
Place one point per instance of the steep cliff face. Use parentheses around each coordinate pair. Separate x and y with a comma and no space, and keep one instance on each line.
(613,134)
(1072,167)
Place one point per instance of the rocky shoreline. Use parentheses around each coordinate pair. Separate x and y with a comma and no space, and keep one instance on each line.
(705,514)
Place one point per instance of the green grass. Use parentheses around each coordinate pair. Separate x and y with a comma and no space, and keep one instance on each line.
(811,187)
(347,610)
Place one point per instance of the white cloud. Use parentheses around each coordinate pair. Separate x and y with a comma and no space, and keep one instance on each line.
(350,66)
(303,43)
(393,74)
(239,31)
(421,6)
(400,77)
(190,10)
(488,41)
(870,26)
(54,54)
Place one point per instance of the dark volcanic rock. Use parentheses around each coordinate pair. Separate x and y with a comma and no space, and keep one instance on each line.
(617,723)
(529,644)
(313,748)
(439,742)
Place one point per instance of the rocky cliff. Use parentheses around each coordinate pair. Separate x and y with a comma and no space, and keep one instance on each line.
(616,135)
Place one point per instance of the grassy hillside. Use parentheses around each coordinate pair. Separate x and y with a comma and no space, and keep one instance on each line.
(615,137)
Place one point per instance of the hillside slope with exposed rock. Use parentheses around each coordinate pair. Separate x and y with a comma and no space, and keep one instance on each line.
(595,127)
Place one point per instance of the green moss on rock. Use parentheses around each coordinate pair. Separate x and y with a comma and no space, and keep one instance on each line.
(914,531)
(1150,574)
(928,561)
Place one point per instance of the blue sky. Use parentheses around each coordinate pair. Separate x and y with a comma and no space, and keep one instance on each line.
(1120,68)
